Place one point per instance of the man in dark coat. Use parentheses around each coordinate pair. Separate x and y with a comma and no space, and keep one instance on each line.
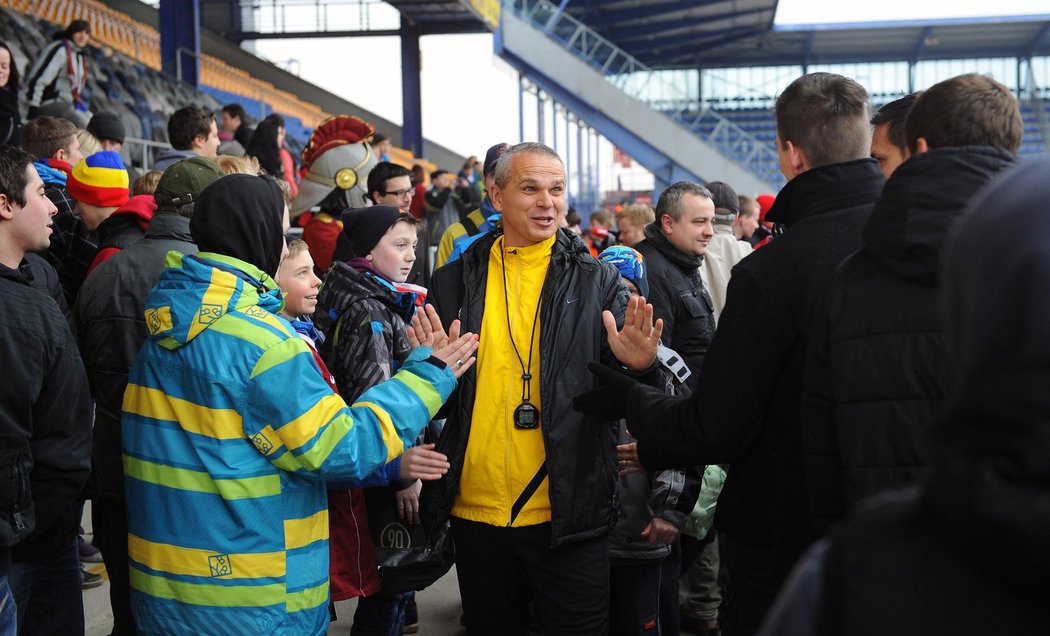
(823,141)
(45,422)
(967,553)
(674,249)
(877,366)
(111,328)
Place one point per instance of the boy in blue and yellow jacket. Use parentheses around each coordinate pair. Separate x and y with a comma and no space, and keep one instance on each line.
(230,432)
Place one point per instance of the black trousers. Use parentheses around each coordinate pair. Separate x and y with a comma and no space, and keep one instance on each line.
(109,520)
(501,569)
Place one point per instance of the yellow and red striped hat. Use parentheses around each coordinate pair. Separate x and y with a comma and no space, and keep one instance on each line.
(99,180)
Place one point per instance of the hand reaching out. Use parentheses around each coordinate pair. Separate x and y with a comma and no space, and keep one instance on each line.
(423,462)
(426,329)
(636,344)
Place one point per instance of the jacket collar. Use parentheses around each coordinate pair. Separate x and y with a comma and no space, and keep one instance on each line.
(170,227)
(825,189)
(920,202)
(658,240)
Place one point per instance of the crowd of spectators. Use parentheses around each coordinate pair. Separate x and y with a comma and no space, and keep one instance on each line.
(810,412)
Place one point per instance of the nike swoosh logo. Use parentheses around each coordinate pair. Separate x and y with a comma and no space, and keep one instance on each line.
(571,300)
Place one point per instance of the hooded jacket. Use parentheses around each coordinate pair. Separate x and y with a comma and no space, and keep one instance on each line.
(922,562)
(877,366)
(59,72)
(580,451)
(45,424)
(229,433)
(746,408)
(126,226)
(678,298)
(364,320)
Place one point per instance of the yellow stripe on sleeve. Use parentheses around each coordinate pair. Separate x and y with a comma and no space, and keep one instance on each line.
(394,446)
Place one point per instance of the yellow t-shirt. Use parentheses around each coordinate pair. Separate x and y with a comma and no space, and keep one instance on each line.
(501,460)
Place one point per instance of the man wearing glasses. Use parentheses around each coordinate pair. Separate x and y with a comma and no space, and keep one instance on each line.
(391,184)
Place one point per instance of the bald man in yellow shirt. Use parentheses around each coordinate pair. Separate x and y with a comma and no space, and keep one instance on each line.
(532,487)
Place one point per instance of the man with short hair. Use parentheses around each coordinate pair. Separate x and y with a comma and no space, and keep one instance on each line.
(746,221)
(54,143)
(724,251)
(674,249)
(191,131)
(391,184)
(235,122)
(531,488)
(631,222)
(888,145)
(45,423)
(866,428)
(483,220)
(112,328)
(230,431)
(823,144)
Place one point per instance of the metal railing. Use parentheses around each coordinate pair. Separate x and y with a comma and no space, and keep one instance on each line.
(133,144)
(648,86)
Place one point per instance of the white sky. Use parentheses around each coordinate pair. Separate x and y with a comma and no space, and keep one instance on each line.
(470,97)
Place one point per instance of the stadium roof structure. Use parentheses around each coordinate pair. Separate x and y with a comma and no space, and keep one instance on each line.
(665,34)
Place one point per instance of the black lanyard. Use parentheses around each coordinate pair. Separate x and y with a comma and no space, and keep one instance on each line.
(526,416)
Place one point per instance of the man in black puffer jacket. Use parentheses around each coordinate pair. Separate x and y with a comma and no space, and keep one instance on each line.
(967,554)
(674,249)
(877,369)
(745,410)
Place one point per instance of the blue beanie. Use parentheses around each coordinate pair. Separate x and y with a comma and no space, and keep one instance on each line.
(630,263)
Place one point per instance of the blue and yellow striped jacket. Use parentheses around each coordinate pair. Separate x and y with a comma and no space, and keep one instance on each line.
(229,434)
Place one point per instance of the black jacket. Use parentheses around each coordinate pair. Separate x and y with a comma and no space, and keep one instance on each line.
(877,368)
(111,330)
(364,320)
(745,411)
(968,553)
(580,451)
(45,424)
(678,297)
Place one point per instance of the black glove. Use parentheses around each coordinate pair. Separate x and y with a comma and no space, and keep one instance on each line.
(34,111)
(609,400)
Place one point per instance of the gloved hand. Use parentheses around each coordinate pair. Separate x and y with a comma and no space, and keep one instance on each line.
(34,112)
(609,400)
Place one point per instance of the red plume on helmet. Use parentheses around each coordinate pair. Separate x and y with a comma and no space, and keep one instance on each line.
(336,131)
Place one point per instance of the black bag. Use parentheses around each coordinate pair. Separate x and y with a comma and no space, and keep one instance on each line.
(410,557)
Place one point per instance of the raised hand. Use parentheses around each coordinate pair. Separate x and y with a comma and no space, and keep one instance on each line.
(426,329)
(636,344)
(458,354)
